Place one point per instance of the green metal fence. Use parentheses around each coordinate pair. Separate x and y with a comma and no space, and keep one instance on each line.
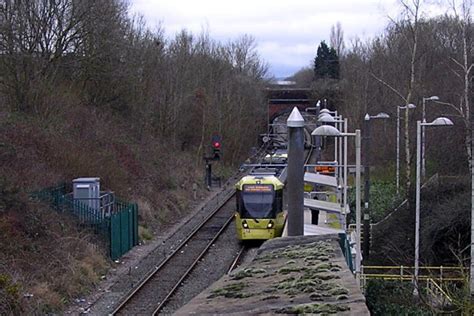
(346,250)
(123,229)
(118,226)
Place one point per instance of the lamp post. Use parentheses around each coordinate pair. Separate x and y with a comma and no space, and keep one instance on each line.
(423,118)
(327,130)
(318,139)
(367,119)
(440,121)
(406,107)
(337,119)
(325,117)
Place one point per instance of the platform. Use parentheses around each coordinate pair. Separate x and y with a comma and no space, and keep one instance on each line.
(291,275)
(320,179)
(330,207)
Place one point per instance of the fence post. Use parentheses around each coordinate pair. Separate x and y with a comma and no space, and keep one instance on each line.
(363,279)
(135,224)
(401,273)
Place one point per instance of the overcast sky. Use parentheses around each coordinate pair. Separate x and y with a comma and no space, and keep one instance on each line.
(287,32)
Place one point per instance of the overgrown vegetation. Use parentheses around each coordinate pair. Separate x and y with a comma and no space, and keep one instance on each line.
(313,309)
(416,57)
(87,90)
(393,298)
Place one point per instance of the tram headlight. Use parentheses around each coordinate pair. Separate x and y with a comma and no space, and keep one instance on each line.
(245,225)
(270,224)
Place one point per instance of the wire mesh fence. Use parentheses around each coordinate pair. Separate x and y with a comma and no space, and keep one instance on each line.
(114,220)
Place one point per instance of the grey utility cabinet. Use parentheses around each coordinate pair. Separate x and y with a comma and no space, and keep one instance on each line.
(87,190)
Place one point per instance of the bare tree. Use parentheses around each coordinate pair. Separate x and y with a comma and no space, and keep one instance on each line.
(464,66)
(336,39)
(35,40)
(411,23)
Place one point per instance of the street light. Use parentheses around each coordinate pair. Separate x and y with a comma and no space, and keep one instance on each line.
(327,130)
(367,119)
(325,117)
(423,118)
(440,121)
(327,111)
(408,106)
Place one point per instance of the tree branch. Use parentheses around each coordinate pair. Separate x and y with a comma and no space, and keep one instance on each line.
(388,86)
(452,106)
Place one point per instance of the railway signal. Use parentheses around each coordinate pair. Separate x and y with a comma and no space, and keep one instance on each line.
(216,147)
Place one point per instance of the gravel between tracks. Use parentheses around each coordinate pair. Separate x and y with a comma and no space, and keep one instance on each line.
(211,268)
(162,281)
(139,261)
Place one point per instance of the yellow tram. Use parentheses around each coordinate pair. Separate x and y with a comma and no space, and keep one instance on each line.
(259,214)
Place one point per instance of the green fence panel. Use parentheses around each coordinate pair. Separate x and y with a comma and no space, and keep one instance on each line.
(135,225)
(124,236)
(346,250)
(130,226)
(115,245)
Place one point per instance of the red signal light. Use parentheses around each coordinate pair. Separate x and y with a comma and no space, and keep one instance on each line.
(216,145)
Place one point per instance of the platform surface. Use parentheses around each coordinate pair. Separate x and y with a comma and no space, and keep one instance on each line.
(320,179)
(324,206)
(304,274)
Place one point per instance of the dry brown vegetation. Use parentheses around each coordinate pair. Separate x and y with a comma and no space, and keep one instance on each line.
(87,90)
(415,58)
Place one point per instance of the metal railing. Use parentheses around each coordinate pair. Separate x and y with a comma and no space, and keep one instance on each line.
(436,292)
(352,228)
(406,273)
(431,278)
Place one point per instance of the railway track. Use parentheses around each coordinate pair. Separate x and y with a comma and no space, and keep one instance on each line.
(152,293)
(238,259)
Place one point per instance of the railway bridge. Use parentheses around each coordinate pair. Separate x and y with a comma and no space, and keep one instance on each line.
(283,99)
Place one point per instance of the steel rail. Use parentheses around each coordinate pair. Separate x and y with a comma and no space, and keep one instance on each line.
(142,283)
(236,260)
(193,265)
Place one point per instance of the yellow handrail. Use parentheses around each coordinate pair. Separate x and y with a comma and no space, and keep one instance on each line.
(405,273)
(438,290)
(406,277)
(421,268)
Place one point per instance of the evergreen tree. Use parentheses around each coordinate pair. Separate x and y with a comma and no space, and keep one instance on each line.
(326,63)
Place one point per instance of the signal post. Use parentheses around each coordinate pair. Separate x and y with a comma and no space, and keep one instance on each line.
(215,155)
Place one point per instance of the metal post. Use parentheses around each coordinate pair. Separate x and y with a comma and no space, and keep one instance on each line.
(345,176)
(340,173)
(423,119)
(417,204)
(398,150)
(318,138)
(295,177)
(366,186)
(358,200)
(335,139)
(208,174)
(317,142)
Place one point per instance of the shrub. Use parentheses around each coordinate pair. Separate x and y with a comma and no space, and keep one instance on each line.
(392,298)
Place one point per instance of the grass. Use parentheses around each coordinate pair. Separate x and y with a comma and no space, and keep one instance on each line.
(233,290)
(144,233)
(246,273)
(313,308)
